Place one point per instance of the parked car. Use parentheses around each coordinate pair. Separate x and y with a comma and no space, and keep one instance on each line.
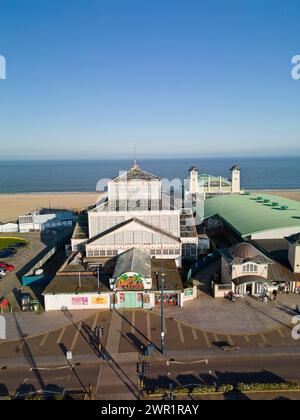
(7,267)
(12,249)
(272,287)
(6,254)
(19,245)
(2,273)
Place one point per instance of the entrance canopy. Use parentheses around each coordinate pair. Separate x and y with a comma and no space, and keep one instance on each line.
(250,279)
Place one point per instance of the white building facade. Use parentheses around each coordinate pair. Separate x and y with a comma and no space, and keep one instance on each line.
(137,214)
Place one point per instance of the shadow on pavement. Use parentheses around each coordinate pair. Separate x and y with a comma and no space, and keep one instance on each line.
(3,390)
(137,330)
(28,354)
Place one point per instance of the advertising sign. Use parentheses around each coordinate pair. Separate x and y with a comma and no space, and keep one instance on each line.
(99,300)
(80,301)
(130,281)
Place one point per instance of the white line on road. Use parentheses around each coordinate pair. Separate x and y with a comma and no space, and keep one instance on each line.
(99,379)
(207,341)
(180,331)
(187,363)
(59,340)
(149,327)
(50,369)
(194,332)
(133,322)
(45,338)
(74,342)
(95,323)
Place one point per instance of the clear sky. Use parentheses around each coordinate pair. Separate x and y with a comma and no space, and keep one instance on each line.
(89,78)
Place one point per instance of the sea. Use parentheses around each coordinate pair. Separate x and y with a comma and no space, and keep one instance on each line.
(265,173)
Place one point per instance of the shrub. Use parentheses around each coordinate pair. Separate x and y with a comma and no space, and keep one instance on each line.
(204,389)
(180,391)
(285,386)
(225,389)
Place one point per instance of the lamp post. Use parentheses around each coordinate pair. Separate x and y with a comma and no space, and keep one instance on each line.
(98,277)
(162,314)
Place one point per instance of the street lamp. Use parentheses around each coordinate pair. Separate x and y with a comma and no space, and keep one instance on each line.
(162,313)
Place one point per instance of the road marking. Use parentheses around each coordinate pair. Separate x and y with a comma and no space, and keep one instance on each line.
(133,322)
(194,332)
(247,339)
(170,362)
(208,343)
(264,339)
(76,336)
(95,323)
(43,342)
(149,327)
(22,345)
(62,333)
(230,341)
(50,369)
(281,333)
(180,332)
(99,380)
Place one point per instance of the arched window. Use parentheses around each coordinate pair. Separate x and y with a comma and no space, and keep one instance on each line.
(250,268)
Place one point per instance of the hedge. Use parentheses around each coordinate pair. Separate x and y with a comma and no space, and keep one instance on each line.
(227,388)
(204,389)
(284,386)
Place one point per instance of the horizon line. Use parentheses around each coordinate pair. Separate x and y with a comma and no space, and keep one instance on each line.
(143,158)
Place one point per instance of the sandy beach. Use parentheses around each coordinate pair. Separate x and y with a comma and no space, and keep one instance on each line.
(14,205)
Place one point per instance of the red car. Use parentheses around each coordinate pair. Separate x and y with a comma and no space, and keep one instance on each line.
(7,267)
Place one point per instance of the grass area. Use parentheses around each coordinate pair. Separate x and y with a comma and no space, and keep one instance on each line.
(6,242)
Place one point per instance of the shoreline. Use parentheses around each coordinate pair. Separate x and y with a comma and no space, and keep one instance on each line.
(14,205)
(18,204)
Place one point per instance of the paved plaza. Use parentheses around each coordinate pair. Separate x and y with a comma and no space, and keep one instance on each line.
(245,316)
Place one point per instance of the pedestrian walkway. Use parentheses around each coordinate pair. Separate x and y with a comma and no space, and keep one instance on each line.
(31,324)
(246,316)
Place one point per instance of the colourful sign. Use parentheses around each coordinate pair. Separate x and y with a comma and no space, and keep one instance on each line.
(100,300)
(80,301)
(130,281)
(189,292)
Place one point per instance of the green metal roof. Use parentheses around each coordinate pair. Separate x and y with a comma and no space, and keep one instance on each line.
(248,215)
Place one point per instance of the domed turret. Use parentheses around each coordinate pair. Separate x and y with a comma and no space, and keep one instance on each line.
(244,251)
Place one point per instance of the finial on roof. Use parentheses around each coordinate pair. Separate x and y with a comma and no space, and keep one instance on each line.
(235,168)
(135,166)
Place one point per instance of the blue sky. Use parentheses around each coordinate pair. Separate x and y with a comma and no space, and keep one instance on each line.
(89,79)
